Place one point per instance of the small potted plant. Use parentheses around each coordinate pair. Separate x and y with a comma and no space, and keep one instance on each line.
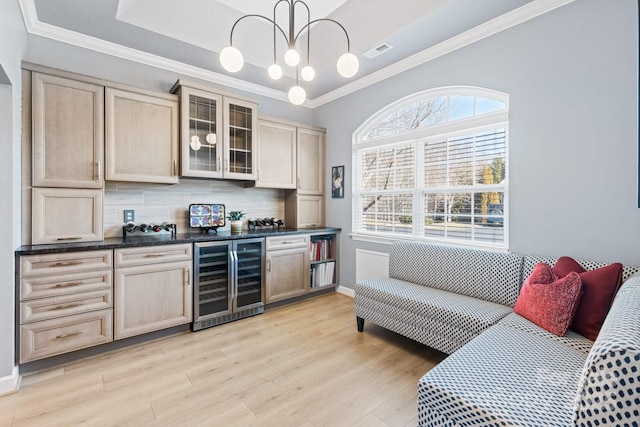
(235,218)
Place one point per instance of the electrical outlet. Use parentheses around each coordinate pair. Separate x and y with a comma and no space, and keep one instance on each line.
(129,215)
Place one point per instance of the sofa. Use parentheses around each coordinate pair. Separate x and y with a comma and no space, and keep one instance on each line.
(502,369)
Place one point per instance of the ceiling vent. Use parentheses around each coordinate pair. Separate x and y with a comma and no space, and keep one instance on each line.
(378,50)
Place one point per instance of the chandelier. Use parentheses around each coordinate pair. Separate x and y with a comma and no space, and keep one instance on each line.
(232,59)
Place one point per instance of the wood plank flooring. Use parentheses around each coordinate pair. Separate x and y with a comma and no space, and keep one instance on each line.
(299,365)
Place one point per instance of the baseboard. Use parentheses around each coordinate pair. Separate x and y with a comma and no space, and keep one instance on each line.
(346,291)
(11,383)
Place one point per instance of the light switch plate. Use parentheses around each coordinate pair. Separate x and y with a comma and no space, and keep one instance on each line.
(129,215)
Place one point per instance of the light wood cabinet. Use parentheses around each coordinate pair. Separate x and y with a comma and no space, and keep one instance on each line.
(277,155)
(68,132)
(141,137)
(304,211)
(154,293)
(218,134)
(65,302)
(64,215)
(310,161)
(287,267)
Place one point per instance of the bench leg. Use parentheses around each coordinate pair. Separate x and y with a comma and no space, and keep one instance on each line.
(360,322)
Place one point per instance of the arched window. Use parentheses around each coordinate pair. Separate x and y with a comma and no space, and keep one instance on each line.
(433,166)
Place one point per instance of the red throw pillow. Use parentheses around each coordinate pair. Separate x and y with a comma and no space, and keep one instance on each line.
(550,305)
(599,288)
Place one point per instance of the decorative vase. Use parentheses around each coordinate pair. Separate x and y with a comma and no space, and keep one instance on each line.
(236,226)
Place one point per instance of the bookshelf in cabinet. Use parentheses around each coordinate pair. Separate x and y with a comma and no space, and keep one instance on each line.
(323,257)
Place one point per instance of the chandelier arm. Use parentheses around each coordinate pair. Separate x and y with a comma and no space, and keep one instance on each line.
(308,23)
(274,28)
(325,19)
(257,16)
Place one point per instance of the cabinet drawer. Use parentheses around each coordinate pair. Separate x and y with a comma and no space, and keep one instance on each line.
(50,337)
(152,255)
(65,284)
(287,242)
(54,307)
(62,263)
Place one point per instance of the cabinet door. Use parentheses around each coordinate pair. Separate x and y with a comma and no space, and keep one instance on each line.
(151,297)
(276,155)
(213,280)
(303,211)
(287,273)
(240,124)
(62,215)
(68,131)
(141,137)
(310,162)
(201,133)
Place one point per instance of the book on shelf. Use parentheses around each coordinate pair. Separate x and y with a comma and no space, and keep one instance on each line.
(322,248)
(322,274)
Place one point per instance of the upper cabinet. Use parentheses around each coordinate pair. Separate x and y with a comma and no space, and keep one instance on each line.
(310,162)
(218,135)
(141,137)
(68,131)
(276,155)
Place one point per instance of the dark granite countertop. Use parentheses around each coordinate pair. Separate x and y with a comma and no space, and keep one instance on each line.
(138,239)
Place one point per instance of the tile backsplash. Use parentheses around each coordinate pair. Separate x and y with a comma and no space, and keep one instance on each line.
(161,202)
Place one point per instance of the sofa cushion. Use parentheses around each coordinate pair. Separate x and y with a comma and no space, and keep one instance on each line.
(456,318)
(487,275)
(571,338)
(505,377)
(609,388)
(550,305)
(599,287)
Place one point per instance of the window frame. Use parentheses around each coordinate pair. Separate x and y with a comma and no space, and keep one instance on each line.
(470,125)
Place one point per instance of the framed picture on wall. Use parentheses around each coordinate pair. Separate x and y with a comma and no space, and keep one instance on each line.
(337,182)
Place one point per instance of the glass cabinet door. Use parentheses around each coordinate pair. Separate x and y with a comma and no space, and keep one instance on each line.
(240,133)
(212,280)
(201,134)
(249,273)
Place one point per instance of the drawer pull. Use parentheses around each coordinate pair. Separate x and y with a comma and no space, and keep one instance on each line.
(69,238)
(66,285)
(155,255)
(70,334)
(66,264)
(62,307)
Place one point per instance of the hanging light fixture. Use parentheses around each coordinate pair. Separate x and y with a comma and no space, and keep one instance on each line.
(232,59)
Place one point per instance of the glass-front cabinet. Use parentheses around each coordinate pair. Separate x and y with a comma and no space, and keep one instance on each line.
(218,135)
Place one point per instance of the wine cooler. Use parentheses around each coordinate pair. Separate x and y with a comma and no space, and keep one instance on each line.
(228,281)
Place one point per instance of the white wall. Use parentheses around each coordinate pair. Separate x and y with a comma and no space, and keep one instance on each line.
(12,49)
(572,76)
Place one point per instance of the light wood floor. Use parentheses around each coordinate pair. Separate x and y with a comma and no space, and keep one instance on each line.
(300,365)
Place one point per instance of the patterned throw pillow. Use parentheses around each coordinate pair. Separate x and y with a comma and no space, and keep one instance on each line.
(599,287)
(550,304)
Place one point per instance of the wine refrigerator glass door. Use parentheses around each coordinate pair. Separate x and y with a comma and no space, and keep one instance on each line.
(249,291)
(213,280)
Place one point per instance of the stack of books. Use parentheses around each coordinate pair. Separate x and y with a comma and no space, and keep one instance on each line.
(322,274)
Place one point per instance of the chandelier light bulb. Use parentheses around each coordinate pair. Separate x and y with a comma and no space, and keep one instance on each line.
(275,71)
(307,73)
(231,59)
(297,95)
(348,65)
(291,57)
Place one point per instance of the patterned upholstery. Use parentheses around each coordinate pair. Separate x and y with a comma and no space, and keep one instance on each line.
(572,339)
(443,320)
(487,275)
(531,260)
(503,377)
(609,389)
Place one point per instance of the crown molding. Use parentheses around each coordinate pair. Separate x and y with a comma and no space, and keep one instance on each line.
(482,31)
(503,22)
